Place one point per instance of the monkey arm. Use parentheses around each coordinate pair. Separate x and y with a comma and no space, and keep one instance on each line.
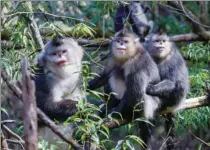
(165,86)
(55,110)
(98,81)
(134,94)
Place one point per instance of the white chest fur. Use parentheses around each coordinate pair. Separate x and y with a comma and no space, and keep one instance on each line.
(117,85)
(67,87)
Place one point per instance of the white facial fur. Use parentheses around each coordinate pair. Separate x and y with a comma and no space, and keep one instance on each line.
(159,46)
(123,48)
(51,54)
(64,77)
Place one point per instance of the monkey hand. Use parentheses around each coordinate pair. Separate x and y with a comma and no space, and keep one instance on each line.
(116,113)
(67,104)
(150,89)
(103,111)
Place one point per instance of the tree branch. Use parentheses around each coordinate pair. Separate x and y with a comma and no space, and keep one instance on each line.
(34,27)
(199,28)
(4,145)
(10,132)
(203,7)
(7,121)
(15,142)
(186,37)
(103,43)
(29,103)
(49,123)
(46,13)
(189,104)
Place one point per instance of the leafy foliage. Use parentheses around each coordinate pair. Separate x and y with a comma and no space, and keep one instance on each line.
(199,55)
(89,20)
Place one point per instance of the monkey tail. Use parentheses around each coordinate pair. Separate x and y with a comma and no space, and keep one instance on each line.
(170,130)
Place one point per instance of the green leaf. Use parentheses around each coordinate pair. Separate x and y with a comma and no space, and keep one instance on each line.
(129,145)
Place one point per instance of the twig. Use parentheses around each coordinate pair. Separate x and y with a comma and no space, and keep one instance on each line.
(87,144)
(15,142)
(4,144)
(199,139)
(13,87)
(92,43)
(34,27)
(49,14)
(10,132)
(7,121)
(191,17)
(200,30)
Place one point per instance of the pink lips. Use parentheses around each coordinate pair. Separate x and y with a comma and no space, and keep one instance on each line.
(61,63)
(121,49)
(160,48)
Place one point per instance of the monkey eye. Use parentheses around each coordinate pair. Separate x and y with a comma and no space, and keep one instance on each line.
(125,41)
(54,54)
(156,40)
(164,40)
(64,51)
(118,41)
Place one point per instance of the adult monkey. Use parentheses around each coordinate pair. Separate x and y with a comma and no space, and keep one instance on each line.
(59,67)
(173,87)
(128,72)
(57,92)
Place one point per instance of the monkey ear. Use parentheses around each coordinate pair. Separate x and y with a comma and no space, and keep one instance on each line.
(136,40)
(111,38)
(40,59)
(146,39)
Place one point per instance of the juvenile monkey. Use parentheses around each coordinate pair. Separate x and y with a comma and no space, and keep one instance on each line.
(128,72)
(59,67)
(137,14)
(173,87)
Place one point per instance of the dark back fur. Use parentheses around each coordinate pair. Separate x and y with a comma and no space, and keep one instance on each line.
(175,69)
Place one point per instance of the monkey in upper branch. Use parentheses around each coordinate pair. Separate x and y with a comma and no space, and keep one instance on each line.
(128,72)
(173,87)
(136,13)
(56,80)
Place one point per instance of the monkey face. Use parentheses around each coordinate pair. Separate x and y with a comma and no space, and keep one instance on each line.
(123,48)
(68,52)
(58,58)
(159,46)
(61,56)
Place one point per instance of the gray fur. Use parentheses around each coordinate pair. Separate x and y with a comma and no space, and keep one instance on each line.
(57,91)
